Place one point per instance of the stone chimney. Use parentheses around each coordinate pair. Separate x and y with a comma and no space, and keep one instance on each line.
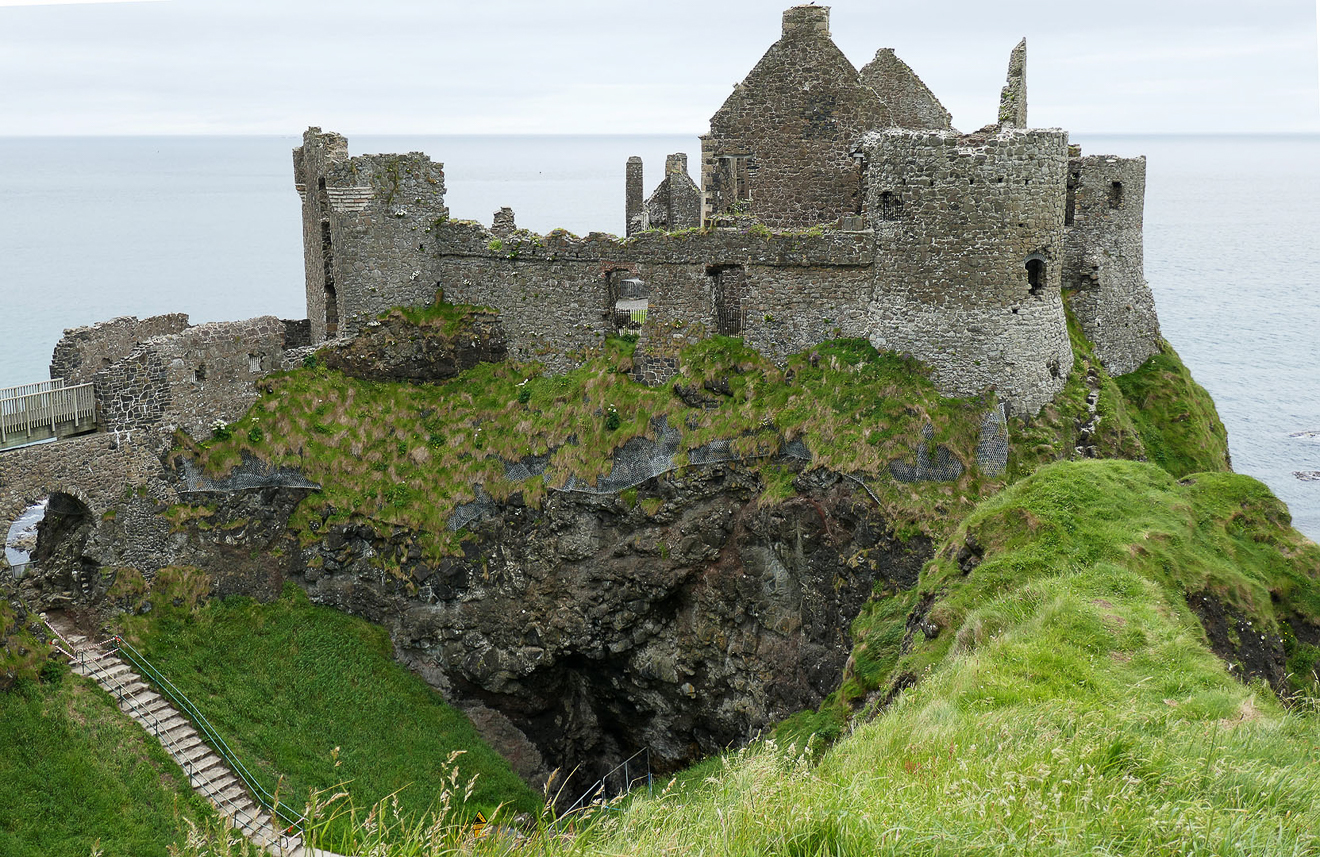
(634,221)
(676,163)
(806,21)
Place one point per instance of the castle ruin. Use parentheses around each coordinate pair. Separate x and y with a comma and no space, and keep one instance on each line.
(833,202)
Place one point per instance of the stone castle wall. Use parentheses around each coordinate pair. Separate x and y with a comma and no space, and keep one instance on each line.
(1104,268)
(84,351)
(191,378)
(556,294)
(969,234)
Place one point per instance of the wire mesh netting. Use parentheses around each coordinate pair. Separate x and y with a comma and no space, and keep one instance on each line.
(938,466)
(992,450)
(251,472)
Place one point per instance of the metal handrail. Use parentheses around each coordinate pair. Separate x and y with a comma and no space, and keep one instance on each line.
(263,797)
(195,774)
(598,787)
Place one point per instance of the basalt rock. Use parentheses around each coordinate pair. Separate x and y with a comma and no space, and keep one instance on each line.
(399,349)
(681,621)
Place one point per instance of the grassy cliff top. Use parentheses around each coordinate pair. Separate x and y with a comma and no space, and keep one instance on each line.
(407,455)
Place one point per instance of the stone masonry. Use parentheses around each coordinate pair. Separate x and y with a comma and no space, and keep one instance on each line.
(780,148)
(1013,97)
(84,351)
(911,103)
(676,203)
(1103,266)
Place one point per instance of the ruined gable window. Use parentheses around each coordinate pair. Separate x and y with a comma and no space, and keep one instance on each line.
(734,184)
(1036,275)
(1115,194)
(254,364)
(891,207)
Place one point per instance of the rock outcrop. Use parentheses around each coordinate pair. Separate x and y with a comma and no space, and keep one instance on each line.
(681,620)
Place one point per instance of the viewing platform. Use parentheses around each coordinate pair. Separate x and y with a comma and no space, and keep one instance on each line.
(44,411)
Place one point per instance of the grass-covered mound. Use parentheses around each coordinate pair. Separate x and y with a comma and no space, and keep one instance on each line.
(76,773)
(314,695)
(1067,702)
(1176,417)
(1063,699)
(406,455)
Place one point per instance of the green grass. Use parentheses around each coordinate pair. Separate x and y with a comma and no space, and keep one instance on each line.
(399,455)
(1053,434)
(314,696)
(1068,703)
(1176,417)
(75,772)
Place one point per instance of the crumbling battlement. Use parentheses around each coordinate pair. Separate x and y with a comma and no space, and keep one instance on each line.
(84,351)
(948,247)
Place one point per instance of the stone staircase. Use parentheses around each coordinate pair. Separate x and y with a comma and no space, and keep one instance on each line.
(207,772)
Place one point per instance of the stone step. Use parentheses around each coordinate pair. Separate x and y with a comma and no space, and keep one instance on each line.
(211,777)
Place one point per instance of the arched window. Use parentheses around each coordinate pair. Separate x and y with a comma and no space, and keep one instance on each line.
(1036,275)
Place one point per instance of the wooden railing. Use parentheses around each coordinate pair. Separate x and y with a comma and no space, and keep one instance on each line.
(45,410)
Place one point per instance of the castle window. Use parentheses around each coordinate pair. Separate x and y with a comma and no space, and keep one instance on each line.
(254,364)
(1036,275)
(891,207)
(1115,194)
(199,374)
(1070,200)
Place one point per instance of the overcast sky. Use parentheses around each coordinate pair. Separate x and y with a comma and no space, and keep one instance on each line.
(591,66)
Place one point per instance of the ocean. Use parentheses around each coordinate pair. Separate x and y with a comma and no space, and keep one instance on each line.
(92,228)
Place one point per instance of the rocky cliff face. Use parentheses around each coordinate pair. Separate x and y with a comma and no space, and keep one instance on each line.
(681,621)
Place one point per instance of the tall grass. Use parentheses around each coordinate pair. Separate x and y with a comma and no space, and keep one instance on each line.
(312,699)
(77,776)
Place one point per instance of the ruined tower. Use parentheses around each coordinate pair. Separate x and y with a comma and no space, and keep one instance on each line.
(364,221)
(1104,269)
